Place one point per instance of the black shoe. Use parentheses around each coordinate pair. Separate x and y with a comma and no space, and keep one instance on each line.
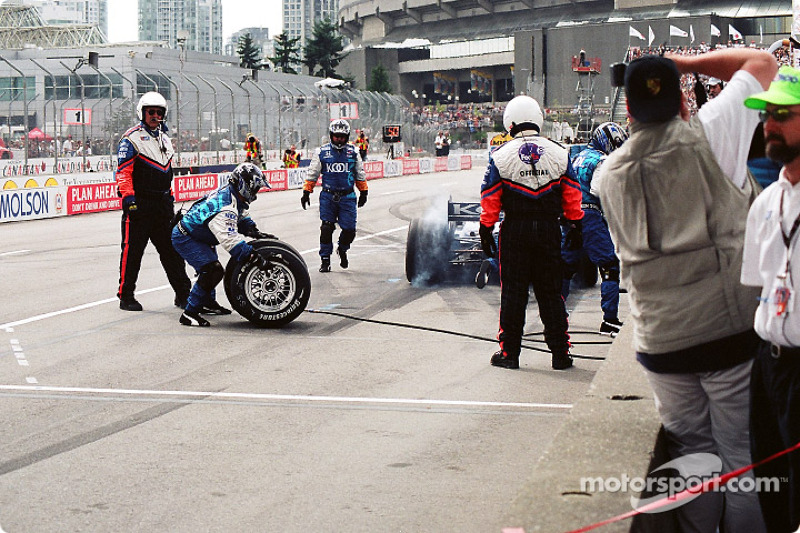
(130,304)
(180,302)
(326,265)
(192,318)
(343,262)
(505,362)
(214,308)
(610,327)
(561,362)
(482,277)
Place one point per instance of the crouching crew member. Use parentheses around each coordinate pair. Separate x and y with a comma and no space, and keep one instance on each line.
(220,218)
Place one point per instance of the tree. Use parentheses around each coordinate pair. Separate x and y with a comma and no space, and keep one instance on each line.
(324,49)
(287,53)
(249,54)
(379,81)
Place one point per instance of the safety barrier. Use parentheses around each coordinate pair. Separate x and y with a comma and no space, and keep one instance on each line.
(55,195)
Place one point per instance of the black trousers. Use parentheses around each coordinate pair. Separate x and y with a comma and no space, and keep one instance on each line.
(775,426)
(151,222)
(530,254)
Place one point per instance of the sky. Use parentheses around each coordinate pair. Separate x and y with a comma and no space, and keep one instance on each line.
(236,14)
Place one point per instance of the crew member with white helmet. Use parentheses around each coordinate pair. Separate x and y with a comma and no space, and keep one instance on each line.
(144,181)
(531,180)
(339,164)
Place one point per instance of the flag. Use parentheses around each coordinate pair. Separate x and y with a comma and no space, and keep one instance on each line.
(633,32)
(734,33)
(651,35)
(715,31)
(676,31)
(691,34)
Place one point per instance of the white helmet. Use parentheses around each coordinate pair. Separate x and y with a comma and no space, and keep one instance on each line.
(151,99)
(339,127)
(522,113)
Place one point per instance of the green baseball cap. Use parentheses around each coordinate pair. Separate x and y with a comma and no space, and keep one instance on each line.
(784,90)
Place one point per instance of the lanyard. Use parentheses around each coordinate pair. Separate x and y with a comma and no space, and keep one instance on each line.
(787,239)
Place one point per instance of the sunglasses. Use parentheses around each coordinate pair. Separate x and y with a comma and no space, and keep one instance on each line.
(155,111)
(780,114)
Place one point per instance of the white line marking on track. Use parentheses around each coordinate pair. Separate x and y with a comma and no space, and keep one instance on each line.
(279,397)
(32,381)
(8,325)
(15,252)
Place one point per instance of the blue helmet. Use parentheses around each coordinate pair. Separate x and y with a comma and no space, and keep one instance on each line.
(247,179)
(607,137)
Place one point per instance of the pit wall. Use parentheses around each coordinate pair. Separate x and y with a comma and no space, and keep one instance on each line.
(66,190)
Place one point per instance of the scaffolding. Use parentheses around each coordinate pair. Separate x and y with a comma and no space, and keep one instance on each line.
(586,69)
(21,27)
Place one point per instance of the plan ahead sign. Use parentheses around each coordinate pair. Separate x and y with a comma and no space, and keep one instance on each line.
(345,110)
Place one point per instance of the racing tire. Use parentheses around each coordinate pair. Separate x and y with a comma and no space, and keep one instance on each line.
(427,250)
(269,298)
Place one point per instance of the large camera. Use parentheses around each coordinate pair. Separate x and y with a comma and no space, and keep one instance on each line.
(618,74)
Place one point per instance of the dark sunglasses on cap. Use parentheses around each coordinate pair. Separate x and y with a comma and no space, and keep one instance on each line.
(779,114)
(155,111)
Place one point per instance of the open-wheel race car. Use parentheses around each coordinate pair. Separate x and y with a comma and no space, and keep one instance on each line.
(440,249)
(270,297)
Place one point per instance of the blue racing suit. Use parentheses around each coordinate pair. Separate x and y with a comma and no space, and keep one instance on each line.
(597,242)
(341,170)
(219,218)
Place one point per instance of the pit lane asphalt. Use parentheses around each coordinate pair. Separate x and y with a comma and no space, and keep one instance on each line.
(119,421)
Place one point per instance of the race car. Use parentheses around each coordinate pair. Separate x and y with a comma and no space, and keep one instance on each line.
(440,249)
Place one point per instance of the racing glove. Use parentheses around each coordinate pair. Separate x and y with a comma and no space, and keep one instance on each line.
(305,201)
(257,234)
(487,240)
(129,203)
(258,260)
(573,240)
(362,198)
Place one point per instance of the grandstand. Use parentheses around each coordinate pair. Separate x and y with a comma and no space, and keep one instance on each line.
(451,51)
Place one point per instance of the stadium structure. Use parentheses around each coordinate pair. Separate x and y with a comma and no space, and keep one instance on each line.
(490,50)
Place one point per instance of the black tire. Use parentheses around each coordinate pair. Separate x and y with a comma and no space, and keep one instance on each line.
(274,297)
(428,247)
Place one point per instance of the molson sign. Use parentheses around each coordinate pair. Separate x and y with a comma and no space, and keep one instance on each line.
(28,204)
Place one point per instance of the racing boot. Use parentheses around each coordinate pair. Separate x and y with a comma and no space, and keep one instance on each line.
(505,361)
(326,265)
(610,327)
(482,277)
(213,308)
(343,262)
(180,301)
(561,361)
(129,303)
(193,318)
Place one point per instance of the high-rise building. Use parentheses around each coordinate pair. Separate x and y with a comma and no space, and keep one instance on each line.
(260,38)
(299,16)
(64,12)
(167,20)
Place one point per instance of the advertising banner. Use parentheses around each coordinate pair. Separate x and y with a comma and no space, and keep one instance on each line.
(393,168)
(296,177)
(92,198)
(425,165)
(277,179)
(410,166)
(466,162)
(440,165)
(193,187)
(31,204)
(373,169)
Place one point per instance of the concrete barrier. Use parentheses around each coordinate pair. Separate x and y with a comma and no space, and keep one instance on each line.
(611,432)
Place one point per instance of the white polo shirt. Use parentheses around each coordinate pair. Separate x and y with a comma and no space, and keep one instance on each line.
(765,259)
